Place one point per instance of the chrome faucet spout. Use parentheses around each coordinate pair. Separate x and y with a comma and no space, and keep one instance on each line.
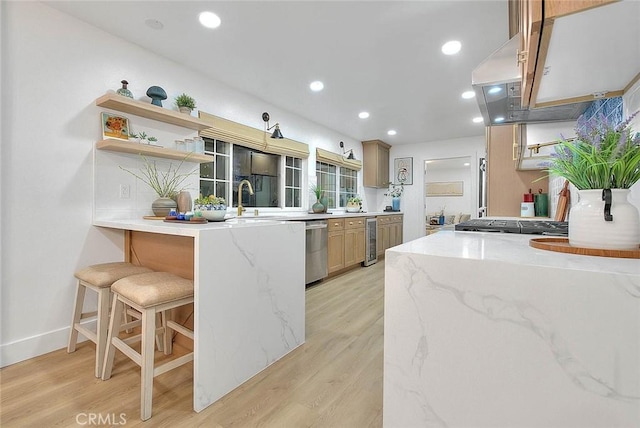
(240,207)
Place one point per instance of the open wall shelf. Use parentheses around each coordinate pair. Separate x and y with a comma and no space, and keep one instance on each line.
(127,105)
(146,150)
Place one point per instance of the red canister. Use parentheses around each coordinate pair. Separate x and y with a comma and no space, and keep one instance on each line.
(528,197)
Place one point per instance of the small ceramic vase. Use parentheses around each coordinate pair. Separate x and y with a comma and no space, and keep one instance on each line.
(124,91)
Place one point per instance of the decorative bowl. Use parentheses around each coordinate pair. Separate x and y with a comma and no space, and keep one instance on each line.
(212,212)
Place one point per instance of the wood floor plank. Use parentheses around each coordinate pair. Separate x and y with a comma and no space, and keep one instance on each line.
(333,380)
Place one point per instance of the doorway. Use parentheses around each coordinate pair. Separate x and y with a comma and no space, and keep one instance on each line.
(448,190)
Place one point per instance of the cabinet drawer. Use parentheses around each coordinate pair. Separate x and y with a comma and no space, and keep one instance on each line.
(354,223)
(335,224)
(384,219)
(396,219)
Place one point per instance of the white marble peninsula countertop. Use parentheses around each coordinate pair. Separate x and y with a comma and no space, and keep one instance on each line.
(483,330)
(249,285)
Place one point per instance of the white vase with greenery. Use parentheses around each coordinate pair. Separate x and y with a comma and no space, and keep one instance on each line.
(603,162)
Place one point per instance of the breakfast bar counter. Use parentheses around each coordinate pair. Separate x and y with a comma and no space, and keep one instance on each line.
(482,330)
(249,304)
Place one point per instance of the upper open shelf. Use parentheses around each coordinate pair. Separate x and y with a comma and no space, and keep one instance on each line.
(148,110)
(146,150)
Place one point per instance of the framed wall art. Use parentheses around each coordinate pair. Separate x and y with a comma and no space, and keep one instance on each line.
(114,126)
(445,188)
(403,171)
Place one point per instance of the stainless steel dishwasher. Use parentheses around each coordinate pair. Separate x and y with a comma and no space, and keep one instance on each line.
(316,236)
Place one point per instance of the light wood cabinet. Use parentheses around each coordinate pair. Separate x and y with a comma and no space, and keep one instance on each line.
(535,22)
(335,245)
(346,242)
(506,185)
(389,232)
(375,163)
(150,111)
(354,241)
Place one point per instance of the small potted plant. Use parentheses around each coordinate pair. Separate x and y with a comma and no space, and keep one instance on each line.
(318,207)
(354,204)
(185,103)
(211,207)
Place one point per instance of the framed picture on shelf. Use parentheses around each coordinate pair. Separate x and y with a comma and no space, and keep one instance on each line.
(114,126)
(403,170)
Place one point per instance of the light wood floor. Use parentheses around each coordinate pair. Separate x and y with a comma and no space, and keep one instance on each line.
(333,380)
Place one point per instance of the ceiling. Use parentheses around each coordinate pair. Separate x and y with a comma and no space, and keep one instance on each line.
(383,57)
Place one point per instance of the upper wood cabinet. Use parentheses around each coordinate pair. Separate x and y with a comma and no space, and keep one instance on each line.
(375,163)
(505,185)
(564,60)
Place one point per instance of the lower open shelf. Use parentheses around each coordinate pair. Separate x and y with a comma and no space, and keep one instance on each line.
(159,152)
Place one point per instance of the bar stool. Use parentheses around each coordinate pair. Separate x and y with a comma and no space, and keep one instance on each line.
(99,279)
(149,293)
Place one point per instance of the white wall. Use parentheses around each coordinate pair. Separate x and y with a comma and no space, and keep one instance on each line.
(465,204)
(412,201)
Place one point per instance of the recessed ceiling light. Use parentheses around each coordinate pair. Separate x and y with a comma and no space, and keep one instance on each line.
(391,132)
(478,119)
(467,164)
(451,48)
(154,23)
(499,119)
(495,90)
(209,19)
(363,114)
(316,86)
(468,94)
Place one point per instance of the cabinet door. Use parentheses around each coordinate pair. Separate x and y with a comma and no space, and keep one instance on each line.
(506,185)
(350,243)
(530,29)
(335,249)
(375,163)
(383,166)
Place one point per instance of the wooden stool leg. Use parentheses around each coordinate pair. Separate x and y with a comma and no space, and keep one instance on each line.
(104,297)
(114,326)
(160,338)
(168,333)
(75,318)
(148,346)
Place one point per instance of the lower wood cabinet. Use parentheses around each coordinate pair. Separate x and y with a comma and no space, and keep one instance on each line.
(346,242)
(389,232)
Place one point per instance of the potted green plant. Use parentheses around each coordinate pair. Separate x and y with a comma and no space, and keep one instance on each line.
(602,162)
(185,103)
(318,207)
(166,184)
(354,204)
(211,207)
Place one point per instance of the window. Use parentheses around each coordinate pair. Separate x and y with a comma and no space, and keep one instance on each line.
(214,176)
(327,177)
(262,171)
(348,185)
(293,182)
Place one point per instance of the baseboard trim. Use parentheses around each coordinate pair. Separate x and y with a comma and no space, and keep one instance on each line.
(34,346)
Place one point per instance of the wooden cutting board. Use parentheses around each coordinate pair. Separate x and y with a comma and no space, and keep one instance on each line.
(561,245)
(563,202)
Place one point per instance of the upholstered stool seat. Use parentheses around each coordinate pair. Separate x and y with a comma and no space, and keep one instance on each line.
(98,278)
(150,294)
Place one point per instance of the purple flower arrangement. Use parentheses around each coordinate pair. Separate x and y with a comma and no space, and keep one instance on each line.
(602,156)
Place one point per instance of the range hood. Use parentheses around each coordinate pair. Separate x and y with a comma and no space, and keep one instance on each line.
(496,82)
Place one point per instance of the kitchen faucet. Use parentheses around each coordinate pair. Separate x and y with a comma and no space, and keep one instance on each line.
(240,207)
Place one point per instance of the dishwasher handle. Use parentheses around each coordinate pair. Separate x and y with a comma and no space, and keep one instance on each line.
(310,226)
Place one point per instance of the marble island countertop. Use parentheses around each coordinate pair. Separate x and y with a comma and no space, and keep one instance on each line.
(192,229)
(482,330)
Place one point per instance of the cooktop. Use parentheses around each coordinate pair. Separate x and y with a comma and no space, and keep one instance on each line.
(534,227)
